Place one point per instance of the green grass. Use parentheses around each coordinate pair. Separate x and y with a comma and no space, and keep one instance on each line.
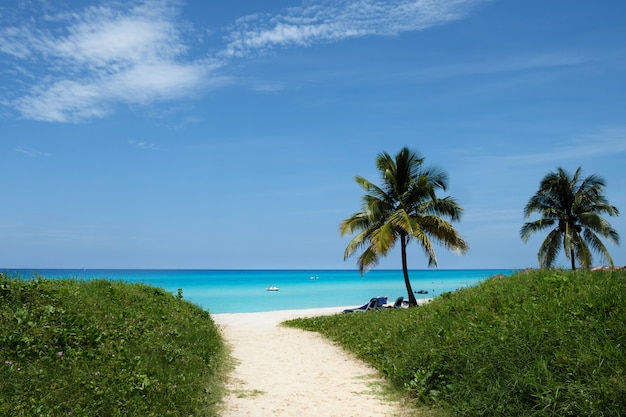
(539,343)
(103,348)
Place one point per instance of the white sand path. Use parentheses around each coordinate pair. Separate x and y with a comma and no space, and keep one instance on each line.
(293,373)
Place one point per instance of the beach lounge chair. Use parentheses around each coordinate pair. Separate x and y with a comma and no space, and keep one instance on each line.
(397,303)
(381,302)
(371,305)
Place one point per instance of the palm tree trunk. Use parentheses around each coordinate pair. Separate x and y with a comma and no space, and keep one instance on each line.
(405,271)
(571,251)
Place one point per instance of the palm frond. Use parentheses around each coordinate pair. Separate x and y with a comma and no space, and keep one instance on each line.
(544,204)
(532,227)
(427,246)
(377,209)
(571,238)
(436,177)
(592,181)
(597,224)
(596,244)
(549,249)
(401,220)
(371,188)
(369,258)
(384,238)
(602,208)
(444,233)
(447,207)
(354,223)
(356,243)
(582,252)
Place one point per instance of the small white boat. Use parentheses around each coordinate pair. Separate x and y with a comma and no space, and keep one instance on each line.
(272,288)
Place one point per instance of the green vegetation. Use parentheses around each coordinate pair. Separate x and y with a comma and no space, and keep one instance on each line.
(539,343)
(571,207)
(102,348)
(404,208)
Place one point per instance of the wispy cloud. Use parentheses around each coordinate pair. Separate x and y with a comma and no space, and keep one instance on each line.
(336,20)
(610,141)
(71,66)
(140,144)
(33,153)
(532,62)
(268,87)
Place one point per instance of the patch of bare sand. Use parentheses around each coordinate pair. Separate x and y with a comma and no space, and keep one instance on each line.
(282,371)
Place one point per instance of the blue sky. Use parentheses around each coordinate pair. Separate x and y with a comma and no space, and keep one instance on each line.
(227,134)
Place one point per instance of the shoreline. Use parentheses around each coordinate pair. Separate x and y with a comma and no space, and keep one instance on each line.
(274,318)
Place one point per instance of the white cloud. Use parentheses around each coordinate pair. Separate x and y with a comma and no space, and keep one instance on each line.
(12,41)
(105,38)
(81,64)
(140,144)
(33,153)
(64,101)
(336,20)
(116,53)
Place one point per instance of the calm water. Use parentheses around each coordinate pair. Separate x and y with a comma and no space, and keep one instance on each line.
(243,291)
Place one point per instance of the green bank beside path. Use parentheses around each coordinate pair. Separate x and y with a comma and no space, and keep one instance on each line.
(102,348)
(539,343)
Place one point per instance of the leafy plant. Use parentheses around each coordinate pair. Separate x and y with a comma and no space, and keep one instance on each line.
(538,343)
(102,348)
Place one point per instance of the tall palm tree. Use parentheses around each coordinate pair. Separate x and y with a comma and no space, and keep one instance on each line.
(404,208)
(571,207)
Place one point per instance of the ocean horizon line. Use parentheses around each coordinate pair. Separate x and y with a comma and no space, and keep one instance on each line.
(2,269)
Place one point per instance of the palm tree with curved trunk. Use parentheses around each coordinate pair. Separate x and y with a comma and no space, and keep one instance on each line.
(571,208)
(404,208)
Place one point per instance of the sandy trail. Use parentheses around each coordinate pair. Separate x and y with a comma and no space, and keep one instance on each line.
(289,372)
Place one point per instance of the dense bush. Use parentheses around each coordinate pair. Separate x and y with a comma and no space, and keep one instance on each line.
(102,348)
(539,343)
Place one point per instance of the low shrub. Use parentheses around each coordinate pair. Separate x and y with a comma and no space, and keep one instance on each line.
(102,348)
(538,343)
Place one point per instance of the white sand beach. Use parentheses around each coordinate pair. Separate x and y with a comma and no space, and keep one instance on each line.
(288,372)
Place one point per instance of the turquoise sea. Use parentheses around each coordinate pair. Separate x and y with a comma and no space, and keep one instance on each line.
(244,291)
